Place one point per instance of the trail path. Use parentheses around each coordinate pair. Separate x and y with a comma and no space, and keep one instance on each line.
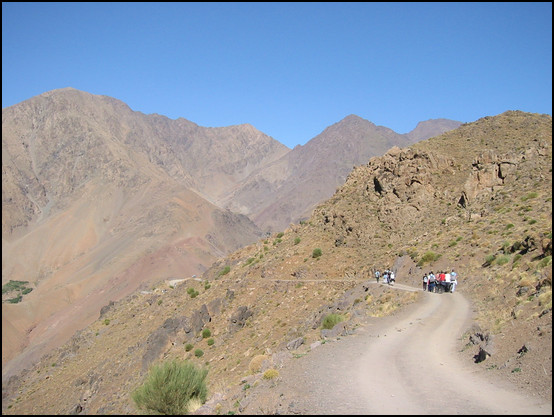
(409,363)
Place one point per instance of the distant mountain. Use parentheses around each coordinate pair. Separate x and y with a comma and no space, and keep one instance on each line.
(286,190)
(99,201)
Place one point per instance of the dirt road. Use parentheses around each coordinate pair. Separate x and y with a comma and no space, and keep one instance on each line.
(409,363)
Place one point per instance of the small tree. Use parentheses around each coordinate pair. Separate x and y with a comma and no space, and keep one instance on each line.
(170,386)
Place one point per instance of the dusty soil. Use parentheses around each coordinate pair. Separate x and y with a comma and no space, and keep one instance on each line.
(408,363)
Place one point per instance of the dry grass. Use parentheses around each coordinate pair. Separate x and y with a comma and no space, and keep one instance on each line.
(256,362)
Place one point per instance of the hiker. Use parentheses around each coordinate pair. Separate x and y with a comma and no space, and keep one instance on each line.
(386,276)
(440,282)
(432,282)
(447,281)
(377,275)
(425,281)
(392,277)
(453,280)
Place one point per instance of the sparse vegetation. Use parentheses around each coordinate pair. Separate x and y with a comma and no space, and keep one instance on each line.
(501,260)
(271,374)
(331,320)
(316,253)
(198,353)
(206,333)
(16,286)
(428,257)
(192,292)
(547,260)
(225,271)
(256,362)
(170,387)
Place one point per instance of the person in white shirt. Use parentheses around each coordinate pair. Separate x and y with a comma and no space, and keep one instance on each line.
(453,280)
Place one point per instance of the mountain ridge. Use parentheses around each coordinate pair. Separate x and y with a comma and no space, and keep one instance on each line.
(67,153)
(477,199)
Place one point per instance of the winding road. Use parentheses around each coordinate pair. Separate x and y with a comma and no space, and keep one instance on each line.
(403,364)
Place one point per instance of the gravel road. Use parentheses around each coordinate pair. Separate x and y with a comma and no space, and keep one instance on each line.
(409,363)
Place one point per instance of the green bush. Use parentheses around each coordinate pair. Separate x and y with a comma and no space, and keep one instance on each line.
(210,342)
(427,257)
(192,292)
(198,353)
(316,253)
(330,320)
(225,270)
(14,286)
(296,240)
(188,347)
(15,300)
(545,261)
(170,386)
(489,259)
(206,333)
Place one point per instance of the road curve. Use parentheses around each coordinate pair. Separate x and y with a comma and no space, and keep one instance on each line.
(405,364)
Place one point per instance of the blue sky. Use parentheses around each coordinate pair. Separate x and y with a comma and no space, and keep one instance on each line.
(289,69)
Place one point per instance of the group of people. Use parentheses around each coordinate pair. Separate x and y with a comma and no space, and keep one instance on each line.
(441,282)
(389,277)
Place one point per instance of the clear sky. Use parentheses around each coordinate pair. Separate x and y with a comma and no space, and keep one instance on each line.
(289,69)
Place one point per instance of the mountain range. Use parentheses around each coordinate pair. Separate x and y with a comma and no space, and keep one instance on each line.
(477,199)
(99,201)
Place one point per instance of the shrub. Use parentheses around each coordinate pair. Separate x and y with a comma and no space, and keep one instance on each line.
(489,259)
(13,286)
(544,261)
(192,292)
(280,234)
(206,333)
(331,320)
(256,362)
(198,353)
(502,260)
(296,240)
(427,257)
(15,300)
(271,373)
(210,342)
(225,271)
(528,196)
(316,253)
(170,387)
(188,347)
